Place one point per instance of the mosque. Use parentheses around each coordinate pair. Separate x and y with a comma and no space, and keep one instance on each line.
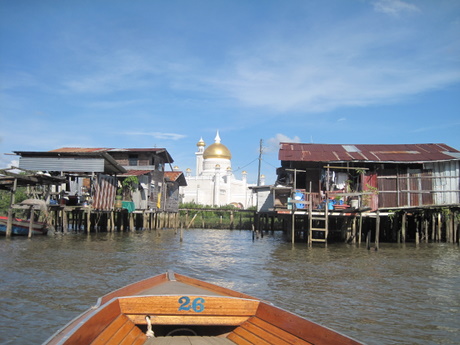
(214,183)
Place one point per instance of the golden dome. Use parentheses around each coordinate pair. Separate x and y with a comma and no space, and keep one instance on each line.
(201,142)
(217,150)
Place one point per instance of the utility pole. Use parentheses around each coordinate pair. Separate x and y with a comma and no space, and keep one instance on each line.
(260,162)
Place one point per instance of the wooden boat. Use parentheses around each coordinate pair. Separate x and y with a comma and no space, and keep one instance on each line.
(21,227)
(176,309)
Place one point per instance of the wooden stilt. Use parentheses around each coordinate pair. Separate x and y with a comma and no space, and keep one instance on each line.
(403,227)
(131,222)
(439,227)
(360,229)
(65,221)
(9,223)
(88,220)
(353,230)
(377,230)
(31,223)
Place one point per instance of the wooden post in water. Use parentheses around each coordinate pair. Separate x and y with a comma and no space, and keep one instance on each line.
(439,227)
(403,227)
(417,229)
(231,220)
(131,222)
(377,230)
(360,228)
(88,219)
(456,216)
(368,238)
(65,221)
(353,230)
(31,222)
(426,224)
(9,223)
(112,220)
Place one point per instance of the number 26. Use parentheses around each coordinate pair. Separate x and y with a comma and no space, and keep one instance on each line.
(197,305)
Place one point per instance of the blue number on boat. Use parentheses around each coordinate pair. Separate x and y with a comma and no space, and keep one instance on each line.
(197,304)
(184,303)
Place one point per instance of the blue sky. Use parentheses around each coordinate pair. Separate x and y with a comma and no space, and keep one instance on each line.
(166,73)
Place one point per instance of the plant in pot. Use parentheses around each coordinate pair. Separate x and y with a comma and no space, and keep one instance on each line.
(129,185)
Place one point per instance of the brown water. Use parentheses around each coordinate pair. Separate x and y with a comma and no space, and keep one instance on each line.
(401,294)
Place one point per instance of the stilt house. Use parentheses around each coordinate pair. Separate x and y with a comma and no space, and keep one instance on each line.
(97,175)
(370,176)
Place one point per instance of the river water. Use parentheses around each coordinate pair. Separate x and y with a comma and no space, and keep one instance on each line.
(401,294)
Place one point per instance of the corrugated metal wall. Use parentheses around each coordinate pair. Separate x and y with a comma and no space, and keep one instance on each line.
(446,182)
(437,184)
(62,164)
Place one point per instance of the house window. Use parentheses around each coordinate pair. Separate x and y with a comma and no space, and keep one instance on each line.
(133,160)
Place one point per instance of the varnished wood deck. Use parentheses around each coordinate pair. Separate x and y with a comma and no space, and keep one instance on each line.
(177,288)
(185,340)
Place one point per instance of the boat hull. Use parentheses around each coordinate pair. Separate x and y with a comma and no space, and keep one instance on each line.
(20,227)
(170,306)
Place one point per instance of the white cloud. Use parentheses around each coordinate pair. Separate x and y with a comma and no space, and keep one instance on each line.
(274,143)
(158,135)
(394,7)
(353,64)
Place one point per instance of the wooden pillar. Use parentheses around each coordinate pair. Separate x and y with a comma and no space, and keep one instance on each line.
(439,227)
(293,228)
(450,227)
(88,219)
(403,227)
(360,228)
(9,223)
(31,221)
(353,230)
(377,230)
(426,224)
(417,229)
(456,216)
(112,220)
(231,220)
(131,222)
(433,227)
(65,221)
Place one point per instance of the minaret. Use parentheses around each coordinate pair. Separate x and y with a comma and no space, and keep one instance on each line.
(199,156)
(217,138)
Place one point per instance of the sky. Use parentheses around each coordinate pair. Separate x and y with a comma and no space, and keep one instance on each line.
(165,73)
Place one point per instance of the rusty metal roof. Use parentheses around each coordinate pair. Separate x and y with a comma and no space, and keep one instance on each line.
(176,176)
(80,149)
(89,150)
(372,153)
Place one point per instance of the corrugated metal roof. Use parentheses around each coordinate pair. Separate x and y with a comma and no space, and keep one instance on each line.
(80,149)
(379,153)
(176,176)
(173,175)
(162,152)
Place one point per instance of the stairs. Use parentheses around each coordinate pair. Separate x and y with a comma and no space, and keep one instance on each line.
(318,226)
